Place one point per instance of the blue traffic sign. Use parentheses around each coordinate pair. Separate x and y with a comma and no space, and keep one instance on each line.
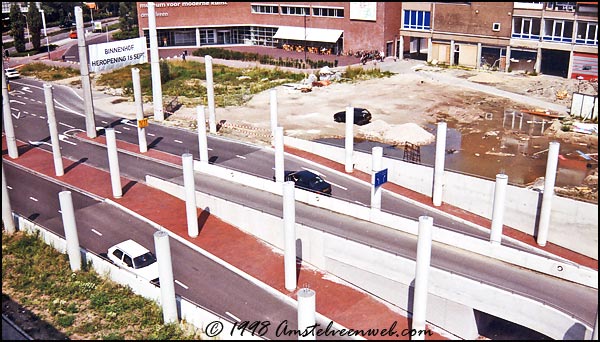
(380,177)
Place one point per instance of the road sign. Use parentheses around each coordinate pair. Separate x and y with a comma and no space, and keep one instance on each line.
(143,123)
(381,177)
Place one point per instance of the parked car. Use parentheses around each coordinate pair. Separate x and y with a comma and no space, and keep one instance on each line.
(135,258)
(11,73)
(308,181)
(362,116)
(73,35)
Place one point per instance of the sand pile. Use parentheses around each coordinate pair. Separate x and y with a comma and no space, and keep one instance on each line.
(396,134)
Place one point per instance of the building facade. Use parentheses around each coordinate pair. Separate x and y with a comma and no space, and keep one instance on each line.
(327,27)
(556,38)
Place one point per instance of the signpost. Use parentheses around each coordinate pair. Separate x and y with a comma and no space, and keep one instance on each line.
(380,177)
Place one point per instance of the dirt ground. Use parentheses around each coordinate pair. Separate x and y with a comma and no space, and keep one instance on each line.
(406,105)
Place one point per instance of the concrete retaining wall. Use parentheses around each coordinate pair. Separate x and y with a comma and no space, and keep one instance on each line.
(388,276)
(573,224)
(565,270)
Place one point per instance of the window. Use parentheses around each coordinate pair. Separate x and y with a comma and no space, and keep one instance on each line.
(496,27)
(526,28)
(558,31)
(417,20)
(118,253)
(127,260)
(587,33)
(208,37)
(328,12)
(264,9)
(294,10)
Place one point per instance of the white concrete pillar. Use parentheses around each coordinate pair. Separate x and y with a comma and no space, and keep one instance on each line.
(289,235)
(478,56)
(429,50)
(273,106)
(422,275)
(349,142)
(139,109)
(58,164)
(190,194)
(440,157)
(401,50)
(507,59)
(157,100)
(376,161)
(210,94)
(70,226)
(549,180)
(7,216)
(595,332)
(90,121)
(202,142)
(165,276)
(7,123)
(279,160)
(306,313)
(452,47)
(498,210)
(113,162)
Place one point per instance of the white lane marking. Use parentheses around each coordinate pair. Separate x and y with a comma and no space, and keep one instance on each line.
(42,117)
(38,143)
(178,141)
(33,199)
(33,115)
(19,102)
(126,128)
(361,203)
(208,148)
(181,284)
(150,134)
(26,112)
(63,138)
(241,157)
(119,132)
(9,187)
(34,100)
(16,116)
(232,316)
(60,211)
(339,186)
(96,232)
(64,124)
(128,122)
(104,122)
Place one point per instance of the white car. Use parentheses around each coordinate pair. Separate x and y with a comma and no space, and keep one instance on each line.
(11,73)
(136,258)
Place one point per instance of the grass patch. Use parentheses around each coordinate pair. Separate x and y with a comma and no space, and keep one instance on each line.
(47,72)
(81,305)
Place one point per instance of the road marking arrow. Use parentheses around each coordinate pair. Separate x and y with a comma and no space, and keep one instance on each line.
(63,137)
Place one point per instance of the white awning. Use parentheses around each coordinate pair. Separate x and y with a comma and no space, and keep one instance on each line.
(312,34)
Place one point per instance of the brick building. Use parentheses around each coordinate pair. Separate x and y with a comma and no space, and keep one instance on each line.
(556,38)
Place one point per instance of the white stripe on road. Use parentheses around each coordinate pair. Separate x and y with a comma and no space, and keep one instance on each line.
(42,117)
(126,128)
(96,232)
(33,199)
(339,186)
(104,122)
(31,114)
(19,102)
(181,284)
(64,124)
(208,148)
(9,187)
(232,316)
(118,132)
(150,134)
(178,141)
(242,157)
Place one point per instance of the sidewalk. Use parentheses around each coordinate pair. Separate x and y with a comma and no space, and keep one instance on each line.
(335,299)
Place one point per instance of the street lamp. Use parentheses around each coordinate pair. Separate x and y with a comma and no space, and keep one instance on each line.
(45,32)
(27,25)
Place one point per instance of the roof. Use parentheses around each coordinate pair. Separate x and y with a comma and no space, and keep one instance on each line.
(133,248)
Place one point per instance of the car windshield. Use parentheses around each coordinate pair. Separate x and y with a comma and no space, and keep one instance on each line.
(144,260)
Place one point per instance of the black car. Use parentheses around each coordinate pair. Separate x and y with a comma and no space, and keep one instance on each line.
(362,116)
(308,181)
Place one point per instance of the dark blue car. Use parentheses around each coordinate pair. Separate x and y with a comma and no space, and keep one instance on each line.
(308,181)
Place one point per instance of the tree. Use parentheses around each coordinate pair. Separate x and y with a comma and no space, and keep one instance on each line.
(17,27)
(34,20)
(165,75)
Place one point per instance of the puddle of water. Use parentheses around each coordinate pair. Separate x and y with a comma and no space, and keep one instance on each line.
(497,143)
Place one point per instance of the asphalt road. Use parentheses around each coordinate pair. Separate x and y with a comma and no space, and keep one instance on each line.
(30,125)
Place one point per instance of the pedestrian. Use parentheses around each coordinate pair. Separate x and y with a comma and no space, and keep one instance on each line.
(64,58)
(183,56)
